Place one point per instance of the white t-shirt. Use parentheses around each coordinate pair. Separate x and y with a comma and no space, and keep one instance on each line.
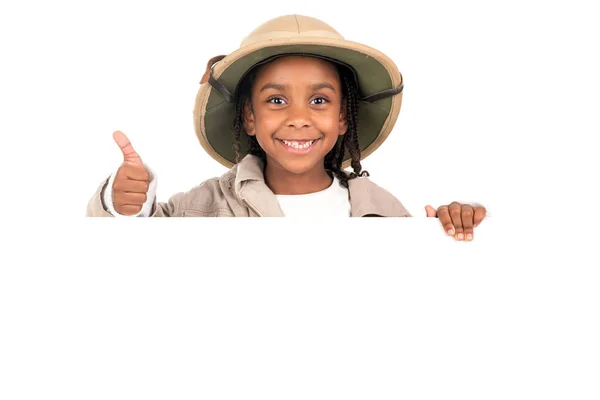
(331,202)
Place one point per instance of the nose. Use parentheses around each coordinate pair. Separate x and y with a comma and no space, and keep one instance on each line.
(298,116)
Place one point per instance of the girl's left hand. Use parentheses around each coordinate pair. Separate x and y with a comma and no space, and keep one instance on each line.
(458,219)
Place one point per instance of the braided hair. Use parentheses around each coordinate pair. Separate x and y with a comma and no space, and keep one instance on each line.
(347,143)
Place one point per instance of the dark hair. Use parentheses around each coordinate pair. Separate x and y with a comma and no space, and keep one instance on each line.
(347,143)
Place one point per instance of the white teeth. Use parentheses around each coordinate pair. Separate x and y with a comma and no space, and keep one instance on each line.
(297,145)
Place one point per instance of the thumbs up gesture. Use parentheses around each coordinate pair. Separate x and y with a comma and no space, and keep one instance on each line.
(131,180)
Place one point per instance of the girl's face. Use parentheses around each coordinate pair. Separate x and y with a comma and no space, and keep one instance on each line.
(296,112)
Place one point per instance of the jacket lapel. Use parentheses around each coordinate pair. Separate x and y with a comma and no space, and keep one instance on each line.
(251,189)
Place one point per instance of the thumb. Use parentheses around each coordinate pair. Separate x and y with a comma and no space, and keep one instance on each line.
(129,154)
(430,211)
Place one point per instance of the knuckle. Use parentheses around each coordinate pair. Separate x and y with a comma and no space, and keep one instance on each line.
(142,172)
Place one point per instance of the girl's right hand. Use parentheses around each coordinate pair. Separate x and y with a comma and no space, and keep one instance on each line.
(131,180)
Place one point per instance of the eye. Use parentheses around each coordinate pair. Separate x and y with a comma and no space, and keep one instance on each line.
(319,100)
(276,100)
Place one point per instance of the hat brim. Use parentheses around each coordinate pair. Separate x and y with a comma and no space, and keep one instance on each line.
(214,115)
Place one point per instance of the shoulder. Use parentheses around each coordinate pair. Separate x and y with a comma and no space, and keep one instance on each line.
(212,196)
(370,198)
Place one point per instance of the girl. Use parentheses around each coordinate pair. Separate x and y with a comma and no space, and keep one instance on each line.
(287,112)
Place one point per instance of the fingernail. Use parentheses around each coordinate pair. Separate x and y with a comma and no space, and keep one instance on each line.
(460,236)
(470,236)
(450,232)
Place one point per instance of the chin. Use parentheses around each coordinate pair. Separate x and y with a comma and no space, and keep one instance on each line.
(299,166)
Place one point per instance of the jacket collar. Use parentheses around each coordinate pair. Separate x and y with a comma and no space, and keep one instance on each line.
(251,189)
(366,198)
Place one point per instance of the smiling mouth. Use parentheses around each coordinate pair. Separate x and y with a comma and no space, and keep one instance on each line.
(298,144)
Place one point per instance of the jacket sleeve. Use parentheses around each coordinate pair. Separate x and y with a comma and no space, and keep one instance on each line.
(97,208)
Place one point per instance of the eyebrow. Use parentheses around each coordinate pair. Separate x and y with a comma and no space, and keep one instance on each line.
(316,86)
(273,86)
(323,85)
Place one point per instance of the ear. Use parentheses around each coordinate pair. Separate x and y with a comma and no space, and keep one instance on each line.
(248,117)
(343,118)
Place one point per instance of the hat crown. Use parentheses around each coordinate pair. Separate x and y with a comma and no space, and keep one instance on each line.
(291,26)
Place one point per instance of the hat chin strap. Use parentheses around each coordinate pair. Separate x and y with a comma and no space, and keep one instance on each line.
(383,94)
(218,86)
(230,98)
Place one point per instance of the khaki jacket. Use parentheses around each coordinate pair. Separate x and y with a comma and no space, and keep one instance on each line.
(242,192)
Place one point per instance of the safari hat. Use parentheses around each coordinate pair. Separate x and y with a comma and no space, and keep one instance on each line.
(379,81)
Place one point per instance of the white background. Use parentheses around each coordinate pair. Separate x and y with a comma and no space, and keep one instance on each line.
(500,107)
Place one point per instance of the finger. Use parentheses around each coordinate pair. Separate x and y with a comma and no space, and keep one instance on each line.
(444,216)
(134,172)
(128,209)
(454,209)
(467,221)
(480,213)
(129,154)
(129,185)
(131,199)
(430,211)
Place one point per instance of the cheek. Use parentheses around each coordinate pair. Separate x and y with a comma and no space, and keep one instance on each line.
(329,122)
(267,121)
